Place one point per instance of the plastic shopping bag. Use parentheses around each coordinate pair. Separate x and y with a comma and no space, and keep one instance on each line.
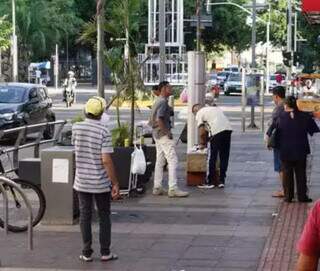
(138,161)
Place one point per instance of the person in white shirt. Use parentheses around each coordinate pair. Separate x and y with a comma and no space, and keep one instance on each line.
(219,131)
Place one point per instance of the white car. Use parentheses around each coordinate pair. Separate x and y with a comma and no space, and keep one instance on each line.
(233,84)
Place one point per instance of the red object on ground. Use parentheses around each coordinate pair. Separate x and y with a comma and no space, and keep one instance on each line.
(310,6)
(309,243)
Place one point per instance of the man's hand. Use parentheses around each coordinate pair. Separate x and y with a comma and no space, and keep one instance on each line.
(266,140)
(115,192)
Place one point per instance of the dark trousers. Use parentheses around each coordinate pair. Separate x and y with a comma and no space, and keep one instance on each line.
(218,144)
(103,205)
(297,169)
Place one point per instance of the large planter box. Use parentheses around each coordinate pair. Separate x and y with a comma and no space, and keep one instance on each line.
(122,160)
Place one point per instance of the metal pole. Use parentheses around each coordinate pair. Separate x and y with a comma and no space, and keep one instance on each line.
(254,33)
(289,42)
(253,61)
(14,45)
(56,67)
(162,41)
(262,102)
(198,24)
(5,208)
(243,99)
(268,52)
(0,64)
(100,47)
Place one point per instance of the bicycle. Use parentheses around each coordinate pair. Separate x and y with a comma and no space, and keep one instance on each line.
(18,212)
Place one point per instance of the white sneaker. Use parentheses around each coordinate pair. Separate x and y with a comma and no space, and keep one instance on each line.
(205,186)
(221,185)
(177,193)
(159,191)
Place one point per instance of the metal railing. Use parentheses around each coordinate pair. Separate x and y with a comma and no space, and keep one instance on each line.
(4,180)
(23,131)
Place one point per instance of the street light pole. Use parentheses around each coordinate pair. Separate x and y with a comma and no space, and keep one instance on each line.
(162,41)
(14,45)
(100,47)
(254,33)
(268,51)
(198,24)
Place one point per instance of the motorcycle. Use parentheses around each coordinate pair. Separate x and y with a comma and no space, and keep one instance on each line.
(68,96)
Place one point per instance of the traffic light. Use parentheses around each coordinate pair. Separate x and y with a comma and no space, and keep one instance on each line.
(286,58)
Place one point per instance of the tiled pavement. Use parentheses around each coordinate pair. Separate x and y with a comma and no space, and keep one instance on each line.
(216,230)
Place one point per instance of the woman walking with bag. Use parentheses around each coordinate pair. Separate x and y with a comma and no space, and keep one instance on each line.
(292,129)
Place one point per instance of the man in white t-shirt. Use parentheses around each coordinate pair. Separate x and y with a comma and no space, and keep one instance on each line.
(219,131)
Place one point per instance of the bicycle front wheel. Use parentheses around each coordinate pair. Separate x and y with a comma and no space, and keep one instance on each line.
(18,211)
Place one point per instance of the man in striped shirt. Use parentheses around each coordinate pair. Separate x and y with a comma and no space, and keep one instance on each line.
(95,177)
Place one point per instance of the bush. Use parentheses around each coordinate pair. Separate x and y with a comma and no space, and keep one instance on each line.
(77,118)
(119,135)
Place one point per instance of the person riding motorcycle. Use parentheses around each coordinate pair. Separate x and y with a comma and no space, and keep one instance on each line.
(69,84)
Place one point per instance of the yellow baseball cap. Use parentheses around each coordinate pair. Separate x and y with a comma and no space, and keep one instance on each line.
(95,106)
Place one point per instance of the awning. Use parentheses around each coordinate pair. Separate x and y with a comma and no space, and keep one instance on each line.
(311,9)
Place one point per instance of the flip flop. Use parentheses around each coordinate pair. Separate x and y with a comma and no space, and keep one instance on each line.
(278,194)
(110,257)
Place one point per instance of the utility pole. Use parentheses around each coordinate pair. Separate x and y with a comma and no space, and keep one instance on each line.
(289,40)
(198,7)
(14,45)
(162,41)
(56,67)
(253,61)
(254,33)
(100,47)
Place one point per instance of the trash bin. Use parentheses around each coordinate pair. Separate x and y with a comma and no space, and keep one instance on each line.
(57,176)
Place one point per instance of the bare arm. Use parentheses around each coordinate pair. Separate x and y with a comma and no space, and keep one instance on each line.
(109,167)
(307,263)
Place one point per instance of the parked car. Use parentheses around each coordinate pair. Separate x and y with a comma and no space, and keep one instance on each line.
(25,104)
(232,68)
(222,78)
(233,84)
(273,81)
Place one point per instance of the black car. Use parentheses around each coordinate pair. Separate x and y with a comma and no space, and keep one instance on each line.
(25,104)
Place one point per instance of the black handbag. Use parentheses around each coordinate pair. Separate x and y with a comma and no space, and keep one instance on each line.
(272,141)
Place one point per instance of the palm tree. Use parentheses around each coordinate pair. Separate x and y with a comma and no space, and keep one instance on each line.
(122,23)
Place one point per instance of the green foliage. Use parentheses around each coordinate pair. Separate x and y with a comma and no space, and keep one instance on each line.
(41,24)
(119,135)
(78,118)
(5,32)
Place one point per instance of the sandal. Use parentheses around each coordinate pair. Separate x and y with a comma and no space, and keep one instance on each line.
(85,258)
(278,194)
(110,257)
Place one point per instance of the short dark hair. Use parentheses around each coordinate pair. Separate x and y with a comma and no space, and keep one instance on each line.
(279,91)
(155,88)
(162,85)
(194,106)
(291,102)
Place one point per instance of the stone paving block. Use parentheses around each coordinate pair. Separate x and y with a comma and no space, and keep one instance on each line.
(232,263)
(211,241)
(169,246)
(185,264)
(195,252)
(241,254)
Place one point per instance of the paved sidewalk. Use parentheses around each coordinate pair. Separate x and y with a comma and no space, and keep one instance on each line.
(216,230)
